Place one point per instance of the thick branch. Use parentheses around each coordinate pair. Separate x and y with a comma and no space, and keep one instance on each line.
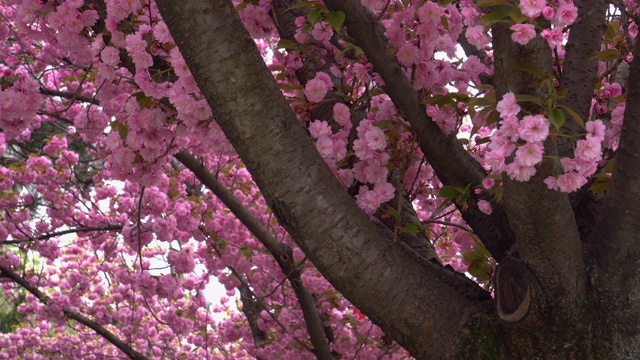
(547,236)
(106,334)
(280,251)
(451,162)
(615,240)
(63,232)
(346,247)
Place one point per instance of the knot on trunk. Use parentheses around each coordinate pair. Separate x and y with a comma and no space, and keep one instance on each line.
(513,294)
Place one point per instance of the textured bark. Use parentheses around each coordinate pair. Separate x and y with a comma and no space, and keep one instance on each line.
(547,238)
(431,311)
(617,238)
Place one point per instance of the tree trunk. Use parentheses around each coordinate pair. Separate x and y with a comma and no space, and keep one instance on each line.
(554,298)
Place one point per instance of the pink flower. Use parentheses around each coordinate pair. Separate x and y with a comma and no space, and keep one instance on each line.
(532,8)
(319,129)
(596,128)
(565,15)
(548,12)
(315,90)
(534,128)
(589,148)
(612,90)
(520,172)
(554,37)
(341,114)
(508,105)
(529,154)
(408,54)
(110,56)
(488,183)
(375,138)
(322,31)
(485,207)
(477,37)
(570,182)
(325,146)
(523,33)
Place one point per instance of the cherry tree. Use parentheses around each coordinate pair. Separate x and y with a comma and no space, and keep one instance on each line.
(375,179)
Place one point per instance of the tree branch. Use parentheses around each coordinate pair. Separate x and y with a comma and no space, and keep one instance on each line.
(281,252)
(548,241)
(615,240)
(443,308)
(106,334)
(61,233)
(451,162)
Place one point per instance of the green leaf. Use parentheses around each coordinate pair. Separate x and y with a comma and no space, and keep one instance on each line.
(474,255)
(440,100)
(480,270)
(412,228)
(609,165)
(601,185)
(303,4)
(574,115)
(556,116)
(530,98)
(336,19)
(286,44)
(612,30)
(484,3)
(313,15)
(517,16)
(393,212)
(144,101)
(494,17)
(122,129)
(607,55)
(448,192)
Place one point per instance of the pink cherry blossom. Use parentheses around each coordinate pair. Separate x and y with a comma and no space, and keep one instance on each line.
(485,207)
(565,15)
(508,105)
(534,128)
(315,90)
(523,33)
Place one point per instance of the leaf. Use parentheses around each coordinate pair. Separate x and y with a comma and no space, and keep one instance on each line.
(574,115)
(448,192)
(494,17)
(313,15)
(609,165)
(485,3)
(530,98)
(286,44)
(607,55)
(530,68)
(601,185)
(412,228)
(303,4)
(517,16)
(393,212)
(336,19)
(480,270)
(440,100)
(556,116)
(144,101)
(610,33)
(122,129)
(474,255)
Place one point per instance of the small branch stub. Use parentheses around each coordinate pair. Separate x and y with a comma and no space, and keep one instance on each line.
(513,294)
